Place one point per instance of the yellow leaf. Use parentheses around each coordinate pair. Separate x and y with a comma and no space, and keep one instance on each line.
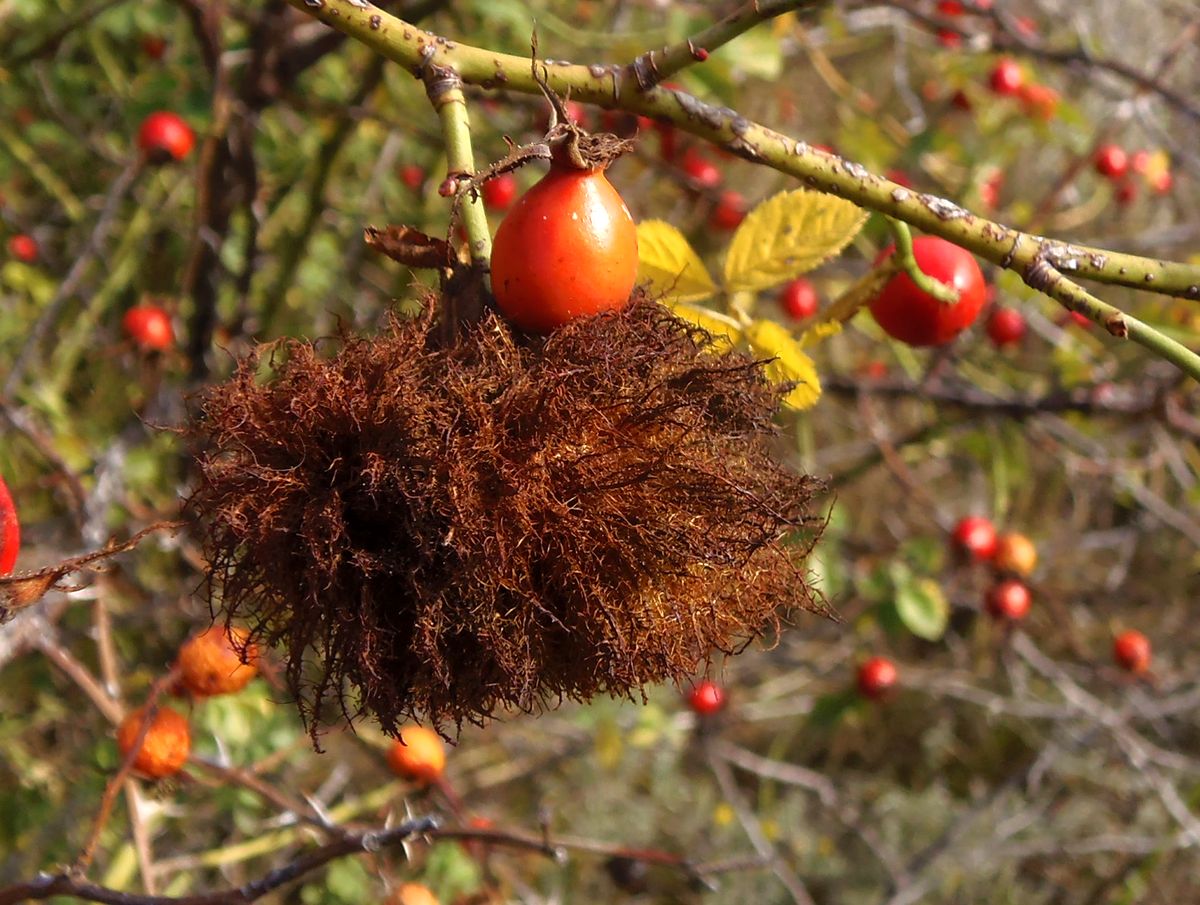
(789,365)
(818,332)
(719,325)
(789,234)
(670,265)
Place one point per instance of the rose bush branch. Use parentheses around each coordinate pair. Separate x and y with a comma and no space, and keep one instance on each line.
(444,88)
(619,86)
(46,886)
(654,66)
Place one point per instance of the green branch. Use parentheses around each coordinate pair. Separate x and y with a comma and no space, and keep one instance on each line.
(655,66)
(1044,277)
(618,87)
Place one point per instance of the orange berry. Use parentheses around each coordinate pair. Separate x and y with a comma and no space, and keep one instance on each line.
(209,663)
(166,746)
(1015,553)
(418,755)
(412,894)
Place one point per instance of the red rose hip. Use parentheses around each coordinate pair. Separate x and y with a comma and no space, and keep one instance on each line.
(1006,77)
(10,531)
(976,536)
(1009,600)
(798,299)
(149,326)
(1005,327)
(164,136)
(23,248)
(567,250)
(911,315)
(706,698)
(1111,161)
(499,193)
(876,677)
(1131,650)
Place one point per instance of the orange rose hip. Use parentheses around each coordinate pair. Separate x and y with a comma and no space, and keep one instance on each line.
(419,755)
(209,663)
(166,746)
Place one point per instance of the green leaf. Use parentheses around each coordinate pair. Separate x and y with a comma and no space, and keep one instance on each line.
(670,265)
(789,234)
(923,608)
(789,365)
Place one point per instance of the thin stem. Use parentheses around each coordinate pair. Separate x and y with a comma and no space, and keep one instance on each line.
(1048,279)
(46,887)
(654,66)
(444,88)
(905,258)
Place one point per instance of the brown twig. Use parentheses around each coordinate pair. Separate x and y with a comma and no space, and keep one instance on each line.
(88,853)
(46,887)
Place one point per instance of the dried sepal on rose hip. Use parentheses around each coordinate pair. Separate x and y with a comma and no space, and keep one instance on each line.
(217,661)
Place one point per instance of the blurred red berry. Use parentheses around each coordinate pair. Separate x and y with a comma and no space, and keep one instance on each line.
(950,7)
(668,142)
(1131,650)
(700,171)
(412,176)
(798,299)
(1006,77)
(10,531)
(1039,101)
(960,101)
(706,698)
(23,248)
(1111,161)
(1162,182)
(154,46)
(873,369)
(1026,26)
(909,314)
(1077,318)
(949,38)
(1126,194)
(576,113)
(989,189)
(149,326)
(876,677)
(499,193)
(164,136)
(899,177)
(1009,600)
(1005,326)
(976,536)
(729,212)
(1139,161)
